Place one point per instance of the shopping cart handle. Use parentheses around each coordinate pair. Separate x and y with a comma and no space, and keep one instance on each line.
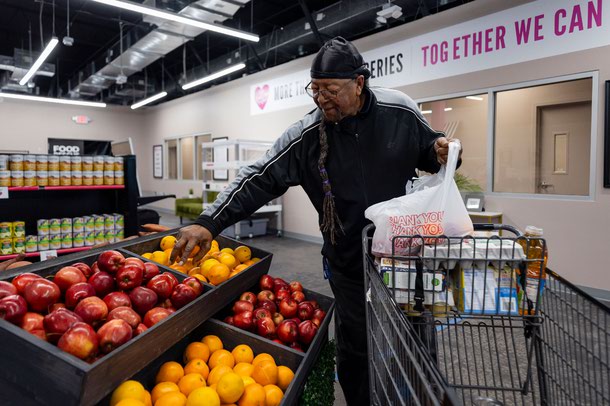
(496,227)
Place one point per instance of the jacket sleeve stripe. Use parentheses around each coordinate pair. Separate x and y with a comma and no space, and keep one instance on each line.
(261,170)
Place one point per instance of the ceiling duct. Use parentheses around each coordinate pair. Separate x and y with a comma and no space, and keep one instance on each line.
(142,50)
(19,65)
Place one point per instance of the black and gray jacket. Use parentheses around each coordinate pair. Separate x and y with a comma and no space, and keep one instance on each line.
(371,156)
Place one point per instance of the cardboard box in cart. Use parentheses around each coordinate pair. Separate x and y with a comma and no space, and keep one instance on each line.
(36,372)
(486,291)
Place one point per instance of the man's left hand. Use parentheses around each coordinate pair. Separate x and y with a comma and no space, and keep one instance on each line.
(441,146)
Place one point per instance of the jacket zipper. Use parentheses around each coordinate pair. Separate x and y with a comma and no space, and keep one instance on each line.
(366,199)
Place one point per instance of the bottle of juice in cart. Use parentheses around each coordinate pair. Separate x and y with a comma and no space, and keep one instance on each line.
(534,279)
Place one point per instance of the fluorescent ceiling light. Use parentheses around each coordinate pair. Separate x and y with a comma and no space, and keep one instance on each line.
(149,100)
(43,57)
(51,100)
(166,15)
(426,111)
(213,76)
(448,108)
(474,98)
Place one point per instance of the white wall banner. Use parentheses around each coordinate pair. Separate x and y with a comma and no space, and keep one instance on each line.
(531,31)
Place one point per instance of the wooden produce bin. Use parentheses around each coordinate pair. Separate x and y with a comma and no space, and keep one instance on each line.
(231,337)
(35,372)
(313,352)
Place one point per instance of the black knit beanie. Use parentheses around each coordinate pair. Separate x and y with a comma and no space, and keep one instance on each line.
(338,59)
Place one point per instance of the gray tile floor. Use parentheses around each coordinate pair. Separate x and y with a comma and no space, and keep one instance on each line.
(292,260)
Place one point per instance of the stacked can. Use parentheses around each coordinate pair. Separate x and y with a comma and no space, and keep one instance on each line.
(42,170)
(78,232)
(6,238)
(89,228)
(66,232)
(110,235)
(119,226)
(31,243)
(43,227)
(5,173)
(29,170)
(16,168)
(54,234)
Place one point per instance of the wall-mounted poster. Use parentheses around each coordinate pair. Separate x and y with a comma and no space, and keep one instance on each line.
(220,156)
(158,161)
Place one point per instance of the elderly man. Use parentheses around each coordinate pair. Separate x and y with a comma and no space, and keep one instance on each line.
(358,148)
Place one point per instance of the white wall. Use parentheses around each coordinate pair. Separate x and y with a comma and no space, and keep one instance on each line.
(576,230)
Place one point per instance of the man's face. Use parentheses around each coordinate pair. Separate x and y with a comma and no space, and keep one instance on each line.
(337,98)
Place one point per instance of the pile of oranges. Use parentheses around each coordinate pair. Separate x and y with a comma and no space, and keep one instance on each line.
(211,375)
(215,267)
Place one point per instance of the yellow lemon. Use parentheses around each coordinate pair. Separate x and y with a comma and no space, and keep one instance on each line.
(207,265)
(168,242)
(203,397)
(227,251)
(230,387)
(128,390)
(159,257)
(147,255)
(242,253)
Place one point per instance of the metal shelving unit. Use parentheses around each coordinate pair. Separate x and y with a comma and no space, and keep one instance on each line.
(240,153)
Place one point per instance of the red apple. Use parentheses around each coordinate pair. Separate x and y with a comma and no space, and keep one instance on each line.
(182,295)
(282,293)
(58,322)
(261,313)
(277,318)
(315,304)
(305,311)
(140,329)
(40,334)
(32,321)
(135,261)
(7,289)
(277,340)
(242,306)
(319,314)
(13,308)
(80,340)
(95,268)
(68,276)
(155,315)
(249,297)
(102,282)
(113,334)
(288,308)
(307,332)
(288,331)
(295,286)
(24,279)
(265,295)
(265,327)
(296,346)
(244,320)
(229,320)
(317,322)
(268,304)
(195,284)
(78,292)
(150,270)
(279,283)
(162,285)
(41,293)
(117,299)
(166,304)
(110,261)
(298,296)
(266,282)
(296,320)
(173,278)
(93,310)
(84,268)
(125,313)
(143,299)
(56,306)
(129,276)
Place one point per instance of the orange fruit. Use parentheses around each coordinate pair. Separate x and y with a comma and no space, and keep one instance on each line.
(196,350)
(227,251)
(197,366)
(218,274)
(243,253)
(147,255)
(214,244)
(128,390)
(147,398)
(213,342)
(172,399)
(265,373)
(263,356)
(254,395)
(240,267)
(130,402)
(190,382)
(162,388)
(230,387)
(203,397)
(229,260)
(217,373)
(273,395)
(168,242)
(247,380)
(168,253)
(200,277)
(221,357)
(207,265)
(159,257)
(255,260)
(213,387)
(243,353)
(195,251)
(284,377)
(249,263)
(243,369)
(170,372)
(194,271)
(179,268)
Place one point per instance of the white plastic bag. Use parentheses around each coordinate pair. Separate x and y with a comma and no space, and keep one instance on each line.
(432,206)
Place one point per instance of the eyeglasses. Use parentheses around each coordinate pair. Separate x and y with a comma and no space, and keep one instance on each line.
(328,94)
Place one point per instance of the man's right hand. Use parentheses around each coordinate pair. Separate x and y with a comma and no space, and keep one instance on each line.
(190,237)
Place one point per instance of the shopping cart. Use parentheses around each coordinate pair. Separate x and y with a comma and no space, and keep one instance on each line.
(456,322)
